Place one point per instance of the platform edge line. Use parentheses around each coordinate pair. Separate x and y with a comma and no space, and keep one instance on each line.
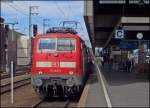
(104,88)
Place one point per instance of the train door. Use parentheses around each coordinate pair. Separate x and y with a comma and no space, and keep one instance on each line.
(83,59)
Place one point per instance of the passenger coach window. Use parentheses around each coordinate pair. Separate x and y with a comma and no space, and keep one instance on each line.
(66,44)
(47,44)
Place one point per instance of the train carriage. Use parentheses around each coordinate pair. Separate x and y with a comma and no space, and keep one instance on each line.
(59,63)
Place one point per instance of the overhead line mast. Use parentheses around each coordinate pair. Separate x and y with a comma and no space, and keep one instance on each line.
(30,41)
(44,24)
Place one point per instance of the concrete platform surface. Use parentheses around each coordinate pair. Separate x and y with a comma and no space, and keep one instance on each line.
(123,89)
(93,94)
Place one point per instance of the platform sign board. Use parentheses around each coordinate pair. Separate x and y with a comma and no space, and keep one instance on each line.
(128,44)
(119,34)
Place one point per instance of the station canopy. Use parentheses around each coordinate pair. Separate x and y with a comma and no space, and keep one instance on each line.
(103,17)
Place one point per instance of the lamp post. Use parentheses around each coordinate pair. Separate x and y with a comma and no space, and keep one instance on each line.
(31,8)
(44,24)
(139,37)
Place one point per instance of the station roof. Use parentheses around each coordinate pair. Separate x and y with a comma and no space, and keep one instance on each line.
(103,17)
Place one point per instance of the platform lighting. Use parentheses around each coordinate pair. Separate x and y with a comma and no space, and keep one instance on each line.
(141,2)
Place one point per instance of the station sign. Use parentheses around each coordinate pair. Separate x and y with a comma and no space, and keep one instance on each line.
(128,44)
(119,34)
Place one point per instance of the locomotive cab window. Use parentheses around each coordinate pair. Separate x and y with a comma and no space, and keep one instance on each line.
(65,44)
(47,44)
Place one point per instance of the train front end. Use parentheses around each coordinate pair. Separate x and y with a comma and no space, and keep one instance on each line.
(56,69)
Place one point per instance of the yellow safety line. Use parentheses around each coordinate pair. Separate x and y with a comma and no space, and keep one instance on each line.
(84,95)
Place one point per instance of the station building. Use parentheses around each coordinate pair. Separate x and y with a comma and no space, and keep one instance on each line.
(17,49)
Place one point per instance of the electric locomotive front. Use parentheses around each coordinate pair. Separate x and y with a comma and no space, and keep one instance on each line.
(56,64)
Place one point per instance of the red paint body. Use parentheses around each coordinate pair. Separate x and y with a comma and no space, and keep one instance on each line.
(58,56)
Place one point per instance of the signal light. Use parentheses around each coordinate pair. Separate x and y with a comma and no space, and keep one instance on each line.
(7,28)
(35,29)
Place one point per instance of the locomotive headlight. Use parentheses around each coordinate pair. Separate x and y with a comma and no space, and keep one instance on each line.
(70,82)
(38,82)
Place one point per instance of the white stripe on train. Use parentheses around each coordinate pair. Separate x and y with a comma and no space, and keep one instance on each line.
(56,64)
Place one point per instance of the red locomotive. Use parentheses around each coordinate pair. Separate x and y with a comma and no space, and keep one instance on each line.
(59,63)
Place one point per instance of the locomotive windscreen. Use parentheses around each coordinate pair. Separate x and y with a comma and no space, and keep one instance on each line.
(56,44)
(66,44)
(47,44)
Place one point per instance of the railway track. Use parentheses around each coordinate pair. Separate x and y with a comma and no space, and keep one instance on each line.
(55,103)
(16,74)
(7,87)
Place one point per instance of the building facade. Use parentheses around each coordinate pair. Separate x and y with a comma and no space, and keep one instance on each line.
(11,46)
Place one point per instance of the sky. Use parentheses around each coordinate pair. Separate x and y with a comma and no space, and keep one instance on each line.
(56,11)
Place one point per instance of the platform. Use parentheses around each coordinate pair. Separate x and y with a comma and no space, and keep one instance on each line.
(127,89)
(123,89)
(93,95)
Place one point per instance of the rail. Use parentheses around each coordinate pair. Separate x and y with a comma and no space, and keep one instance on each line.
(6,87)
(52,103)
(16,74)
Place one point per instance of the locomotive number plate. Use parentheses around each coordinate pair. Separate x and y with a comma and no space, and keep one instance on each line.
(55,70)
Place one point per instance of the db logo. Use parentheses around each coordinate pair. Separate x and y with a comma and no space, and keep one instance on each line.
(55,64)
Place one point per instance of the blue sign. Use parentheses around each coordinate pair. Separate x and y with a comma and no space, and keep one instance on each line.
(119,34)
(128,45)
